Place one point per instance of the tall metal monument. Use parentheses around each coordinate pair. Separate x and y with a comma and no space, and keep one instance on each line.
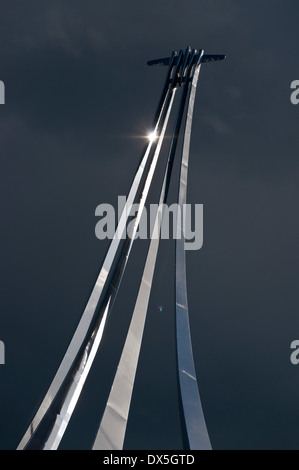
(52,418)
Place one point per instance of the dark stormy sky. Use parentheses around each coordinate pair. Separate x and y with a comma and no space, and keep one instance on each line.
(79,96)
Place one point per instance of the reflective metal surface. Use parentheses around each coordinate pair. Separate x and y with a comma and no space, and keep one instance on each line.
(52,418)
(195,425)
(112,429)
(111,433)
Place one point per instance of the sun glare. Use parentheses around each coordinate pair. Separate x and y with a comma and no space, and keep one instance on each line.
(152,136)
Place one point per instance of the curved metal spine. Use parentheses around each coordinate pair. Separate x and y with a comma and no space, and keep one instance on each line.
(49,424)
(112,429)
(52,418)
(195,425)
(111,433)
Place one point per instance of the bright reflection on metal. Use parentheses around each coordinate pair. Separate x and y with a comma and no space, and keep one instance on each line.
(112,430)
(52,418)
(152,136)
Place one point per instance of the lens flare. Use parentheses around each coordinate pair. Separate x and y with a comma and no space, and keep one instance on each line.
(152,136)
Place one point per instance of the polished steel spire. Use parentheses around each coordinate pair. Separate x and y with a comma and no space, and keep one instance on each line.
(53,416)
